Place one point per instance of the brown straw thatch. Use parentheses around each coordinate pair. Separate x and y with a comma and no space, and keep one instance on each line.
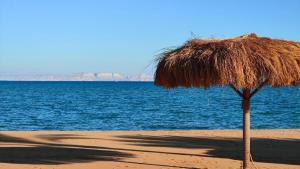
(243,62)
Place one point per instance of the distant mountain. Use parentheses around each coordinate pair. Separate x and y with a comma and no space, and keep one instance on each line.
(75,77)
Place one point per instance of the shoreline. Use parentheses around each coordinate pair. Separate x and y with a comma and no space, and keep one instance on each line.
(162,130)
(197,149)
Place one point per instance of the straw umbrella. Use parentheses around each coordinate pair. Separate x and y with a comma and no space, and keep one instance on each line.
(245,63)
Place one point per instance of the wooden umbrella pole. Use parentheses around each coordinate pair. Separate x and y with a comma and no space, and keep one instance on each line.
(246,127)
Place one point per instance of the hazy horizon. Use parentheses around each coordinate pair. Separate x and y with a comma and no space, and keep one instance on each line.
(80,76)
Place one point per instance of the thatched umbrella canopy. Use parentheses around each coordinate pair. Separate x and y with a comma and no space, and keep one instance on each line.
(244,63)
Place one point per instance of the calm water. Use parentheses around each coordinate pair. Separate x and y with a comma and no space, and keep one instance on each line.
(138,106)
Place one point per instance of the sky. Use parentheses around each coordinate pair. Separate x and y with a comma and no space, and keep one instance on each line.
(125,36)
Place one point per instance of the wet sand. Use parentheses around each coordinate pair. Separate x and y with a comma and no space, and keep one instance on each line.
(197,149)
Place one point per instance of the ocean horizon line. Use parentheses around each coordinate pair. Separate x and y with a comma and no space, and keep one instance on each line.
(77,81)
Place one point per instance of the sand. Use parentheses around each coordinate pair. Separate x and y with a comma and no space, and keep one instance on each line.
(197,149)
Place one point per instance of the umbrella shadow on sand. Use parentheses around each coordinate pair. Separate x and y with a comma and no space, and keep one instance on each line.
(24,151)
(17,150)
(263,149)
(33,152)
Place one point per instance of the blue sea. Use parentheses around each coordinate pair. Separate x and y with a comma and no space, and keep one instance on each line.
(139,106)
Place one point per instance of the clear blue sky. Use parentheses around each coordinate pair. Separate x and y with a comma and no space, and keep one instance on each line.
(69,36)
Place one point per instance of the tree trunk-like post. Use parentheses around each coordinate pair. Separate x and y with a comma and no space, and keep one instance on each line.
(246,128)
(246,94)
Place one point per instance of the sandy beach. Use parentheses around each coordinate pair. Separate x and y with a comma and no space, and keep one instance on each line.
(197,149)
